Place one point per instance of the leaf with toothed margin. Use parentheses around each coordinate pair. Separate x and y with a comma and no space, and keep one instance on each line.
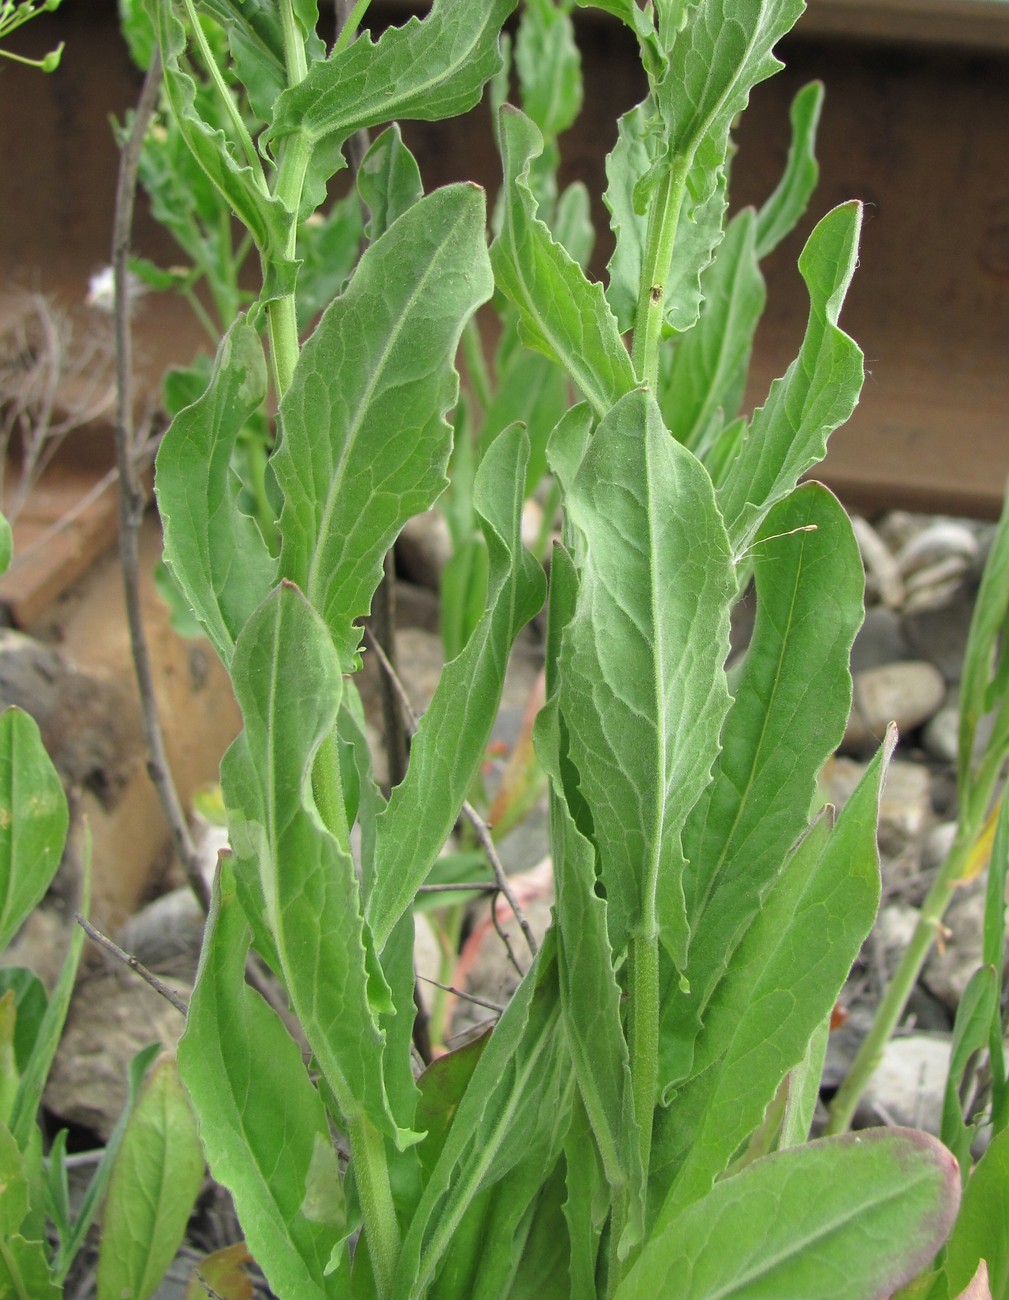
(288,683)
(561,313)
(365,440)
(788,434)
(642,683)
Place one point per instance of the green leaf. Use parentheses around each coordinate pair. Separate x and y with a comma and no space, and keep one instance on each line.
(328,248)
(216,553)
(73,1229)
(985,653)
(33,820)
(24,1270)
(790,709)
(637,19)
(136,26)
(849,1217)
(788,435)
(152,1190)
(721,53)
(30,1000)
(365,440)
(549,67)
(535,391)
(6,544)
(760,1018)
(388,181)
(288,683)
(514,1089)
(425,70)
(784,208)
(631,169)
(976,1016)
(265,217)
(264,1127)
(644,650)
(703,376)
(561,313)
(50,1030)
(981,1230)
(804,1090)
(451,740)
(13,1185)
(590,995)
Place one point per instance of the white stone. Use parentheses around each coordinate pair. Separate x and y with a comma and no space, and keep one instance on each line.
(908,693)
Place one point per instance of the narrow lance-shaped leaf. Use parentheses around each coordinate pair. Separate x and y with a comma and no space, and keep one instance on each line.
(785,206)
(388,181)
(155,1181)
(790,709)
(701,383)
(287,679)
(215,551)
(643,690)
(426,70)
(263,1124)
(522,1063)
(981,1230)
(985,658)
(561,313)
(549,67)
(590,995)
(33,820)
(854,1216)
(783,980)
(451,740)
(788,434)
(365,441)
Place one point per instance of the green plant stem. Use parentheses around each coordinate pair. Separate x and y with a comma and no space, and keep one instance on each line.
(348,28)
(643,997)
(891,1008)
(227,99)
(476,365)
(660,242)
(282,312)
(371,1175)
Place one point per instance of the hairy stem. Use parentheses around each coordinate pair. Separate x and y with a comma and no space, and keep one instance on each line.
(371,1174)
(660,243)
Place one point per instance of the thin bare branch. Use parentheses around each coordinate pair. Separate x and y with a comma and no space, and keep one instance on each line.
(132,501)
(466,997)
(467,886)
(134,964)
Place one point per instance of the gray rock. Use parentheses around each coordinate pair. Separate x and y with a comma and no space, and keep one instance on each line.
(114,1013)
(939,541)
(937,844)
(907,693)
(880,640)
(423,548)
(940,635)
(908,1086)
(957,954)
(941,734)
(882,575)
(166,935)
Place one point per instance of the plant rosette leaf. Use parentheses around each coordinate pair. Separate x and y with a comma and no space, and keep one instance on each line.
(853,1217)
(791,705)
(152,1189)
(981,1231)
